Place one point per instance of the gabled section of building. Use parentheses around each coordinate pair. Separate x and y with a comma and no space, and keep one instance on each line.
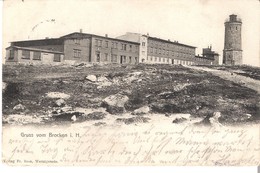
(83,47)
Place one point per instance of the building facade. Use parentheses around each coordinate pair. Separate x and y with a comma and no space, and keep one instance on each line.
(27,55)
(159,51)
(232,53)
(130,48)
(81,47)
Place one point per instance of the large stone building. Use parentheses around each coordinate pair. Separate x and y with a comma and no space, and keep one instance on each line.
(159,51)
(75,47)
(130,48)
(232,53)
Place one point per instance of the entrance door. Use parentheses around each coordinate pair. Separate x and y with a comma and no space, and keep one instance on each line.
(98,56)
(121,59)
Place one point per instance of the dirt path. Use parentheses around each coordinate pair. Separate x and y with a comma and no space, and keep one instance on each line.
(239,79)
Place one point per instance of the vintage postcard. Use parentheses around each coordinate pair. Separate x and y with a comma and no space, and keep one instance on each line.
(131,83)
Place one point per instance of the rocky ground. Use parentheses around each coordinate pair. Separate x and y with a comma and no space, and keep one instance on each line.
(108,94)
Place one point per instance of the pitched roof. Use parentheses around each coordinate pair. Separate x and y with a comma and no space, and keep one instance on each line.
(86,35)
(35,49)
(168,41)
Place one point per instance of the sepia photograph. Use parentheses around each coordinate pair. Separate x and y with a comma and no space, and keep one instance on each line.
(131,83)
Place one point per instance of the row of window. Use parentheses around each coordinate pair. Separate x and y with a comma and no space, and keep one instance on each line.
(155,50)
(173,61)
(158,59)
(115,45)
(202,59)
(114,58)
(167,52)
(37,55)
(168,45)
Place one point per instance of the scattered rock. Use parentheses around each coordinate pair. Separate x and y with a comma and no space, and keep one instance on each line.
(19,107)
(74,118)
(102,79)
(115,103)
(79,65)
(91,78)
(66,109)
(180,118)
(100,124)
(133,120)
(58,95)
(22,119)
(68,116)
(141,111)
(214,119)
(180,87)
(165,107)
(60,103)
(96,116)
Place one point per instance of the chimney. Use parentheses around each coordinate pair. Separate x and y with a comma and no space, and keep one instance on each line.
(80,30)
(46,37)
(105,35)
(147,33)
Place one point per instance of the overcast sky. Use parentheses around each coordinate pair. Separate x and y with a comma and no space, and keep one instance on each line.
(194,22)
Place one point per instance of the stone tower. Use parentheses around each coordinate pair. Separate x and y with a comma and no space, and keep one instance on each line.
(232,53)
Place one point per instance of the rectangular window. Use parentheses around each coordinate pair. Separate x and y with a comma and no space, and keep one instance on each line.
(11,54)
(160,51)
(167,53)
(96,42)
(155,59)
(77,41)
(56,58)
(151,50)
(106,44)
(106,57)
(130,48)
(159,59)
(100,43)
(114,58)
(36,55)
(136,48)
(77,53)
(156,50)
(130,59)
(143,43)
(25,54)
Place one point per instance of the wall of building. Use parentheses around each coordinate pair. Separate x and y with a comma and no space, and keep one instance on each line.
(231,57)
(45,58)
(77,49)
(233,36)
(169,53)
(106,50)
